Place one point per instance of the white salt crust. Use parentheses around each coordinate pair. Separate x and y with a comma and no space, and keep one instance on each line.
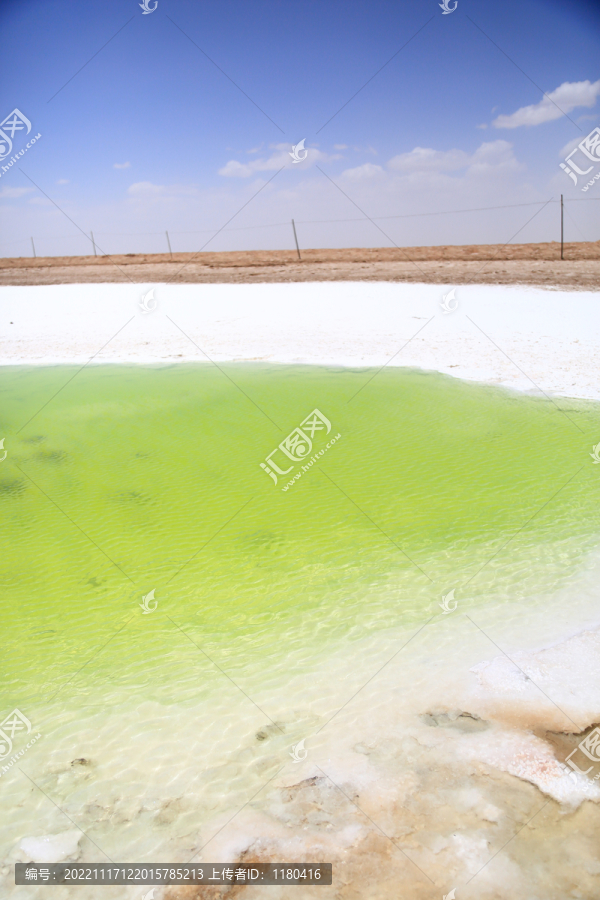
(521,337)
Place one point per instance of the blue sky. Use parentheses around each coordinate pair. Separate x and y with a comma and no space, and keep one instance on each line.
(151,135)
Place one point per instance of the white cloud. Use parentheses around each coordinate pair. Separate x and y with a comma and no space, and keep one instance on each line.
(368,170)
(142,191)
(145,188)
(570,146)
(566,98)
(491,155)
(63,181)
(235,169)
(424,159)
(14,192)
(279,158)
(125,165)
(340,146)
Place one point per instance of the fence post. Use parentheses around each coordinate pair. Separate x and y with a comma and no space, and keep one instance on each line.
(169,243)
(93,243)
(33,246)
(296,239)
(562,228)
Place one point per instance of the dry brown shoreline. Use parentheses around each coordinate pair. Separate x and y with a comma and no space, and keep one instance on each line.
(534,264)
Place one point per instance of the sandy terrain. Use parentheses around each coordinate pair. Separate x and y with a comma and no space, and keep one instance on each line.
(535,264)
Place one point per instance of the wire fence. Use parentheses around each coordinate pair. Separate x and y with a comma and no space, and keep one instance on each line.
(168,236)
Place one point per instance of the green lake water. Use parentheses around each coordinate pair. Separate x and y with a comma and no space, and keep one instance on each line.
(129,479)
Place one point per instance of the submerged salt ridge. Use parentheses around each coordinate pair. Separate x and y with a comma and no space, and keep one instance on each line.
(429,739)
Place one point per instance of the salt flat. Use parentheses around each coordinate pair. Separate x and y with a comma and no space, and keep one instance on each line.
(521,337)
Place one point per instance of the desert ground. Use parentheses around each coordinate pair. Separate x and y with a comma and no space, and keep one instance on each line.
(534,264)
